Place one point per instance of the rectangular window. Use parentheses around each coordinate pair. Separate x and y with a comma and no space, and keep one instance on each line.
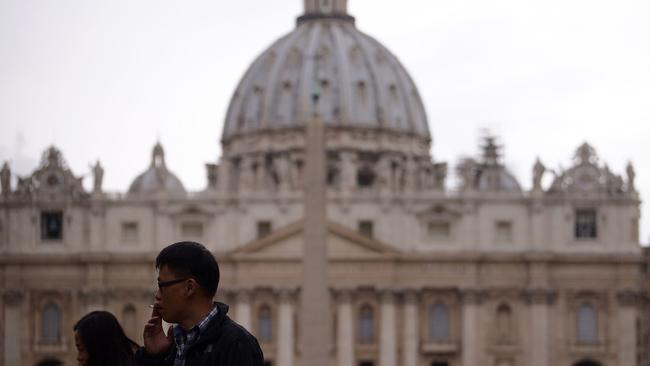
(52,225)
(263,228)
(130,232)
(585,225)
(192,230)
(503,232)
(366,228)
(439,230)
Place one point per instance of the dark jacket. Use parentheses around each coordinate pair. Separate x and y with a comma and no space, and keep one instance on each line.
(223,343)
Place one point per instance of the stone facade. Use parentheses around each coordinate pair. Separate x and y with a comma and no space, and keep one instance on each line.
(418,273)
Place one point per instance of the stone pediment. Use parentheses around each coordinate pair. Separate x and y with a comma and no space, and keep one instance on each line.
(588,178)
(287,243)
(52,180)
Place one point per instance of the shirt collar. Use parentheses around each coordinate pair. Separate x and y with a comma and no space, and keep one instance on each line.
(182,337)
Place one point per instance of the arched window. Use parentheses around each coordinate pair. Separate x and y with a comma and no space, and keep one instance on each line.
(264,322)
(439,323)
(129,321)
(587,324)
(51,324)
(366,324)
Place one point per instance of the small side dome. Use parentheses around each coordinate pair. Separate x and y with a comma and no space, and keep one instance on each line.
(489,175)
(493,175)
(158,179)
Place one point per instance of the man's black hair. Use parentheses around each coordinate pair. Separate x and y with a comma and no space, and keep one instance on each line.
(190,259)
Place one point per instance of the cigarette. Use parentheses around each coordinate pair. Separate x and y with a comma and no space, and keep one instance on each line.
(151,306)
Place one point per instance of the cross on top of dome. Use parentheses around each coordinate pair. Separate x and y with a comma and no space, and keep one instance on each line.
(319,9)
(326,6)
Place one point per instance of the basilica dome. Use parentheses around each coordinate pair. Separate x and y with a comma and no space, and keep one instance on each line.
(358,82)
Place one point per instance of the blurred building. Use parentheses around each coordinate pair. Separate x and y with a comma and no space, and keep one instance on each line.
(421,274)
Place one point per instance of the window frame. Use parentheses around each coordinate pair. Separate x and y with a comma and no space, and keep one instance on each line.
(44,237)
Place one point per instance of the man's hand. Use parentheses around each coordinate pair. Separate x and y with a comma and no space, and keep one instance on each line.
(155,340)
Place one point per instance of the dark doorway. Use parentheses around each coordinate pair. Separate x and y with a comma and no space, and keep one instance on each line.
(366,363)
(439,364)
(587,363)
(50,363)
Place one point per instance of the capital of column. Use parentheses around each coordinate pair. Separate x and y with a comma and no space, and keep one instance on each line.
(472,296)
(343,294)
(628,297)
(286,294)
(411,295)
(243,295)
(13,297)
(540,296)
(93,295)
(388,294)
(226,292)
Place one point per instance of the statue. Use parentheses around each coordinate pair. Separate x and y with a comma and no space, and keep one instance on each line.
(538,172)
(467,171)
(281,170)
(5,179)
(631,174)
(440,175)
(212,171)
(98,175)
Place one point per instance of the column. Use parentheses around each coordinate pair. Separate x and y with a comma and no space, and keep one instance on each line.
(345,331)
(13,329)
(387,336)
(471,300)
(411,334)
(315,308)
(285,329)
(243,308)
(627,334)
(539,300)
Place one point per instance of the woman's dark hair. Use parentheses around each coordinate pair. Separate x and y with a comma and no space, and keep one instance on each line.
(190,259)
(103,338)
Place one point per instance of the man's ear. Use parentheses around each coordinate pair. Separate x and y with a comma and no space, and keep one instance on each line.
(192,287)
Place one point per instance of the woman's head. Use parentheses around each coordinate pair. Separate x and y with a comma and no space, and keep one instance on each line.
(101,341)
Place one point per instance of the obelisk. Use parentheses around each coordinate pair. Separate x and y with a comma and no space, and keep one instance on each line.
(315,314)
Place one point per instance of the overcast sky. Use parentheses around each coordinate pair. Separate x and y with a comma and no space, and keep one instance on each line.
(106,79)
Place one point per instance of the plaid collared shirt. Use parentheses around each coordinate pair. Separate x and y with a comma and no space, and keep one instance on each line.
(184,339)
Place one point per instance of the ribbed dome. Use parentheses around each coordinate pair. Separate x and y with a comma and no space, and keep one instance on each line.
(359,82)
(157,179)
